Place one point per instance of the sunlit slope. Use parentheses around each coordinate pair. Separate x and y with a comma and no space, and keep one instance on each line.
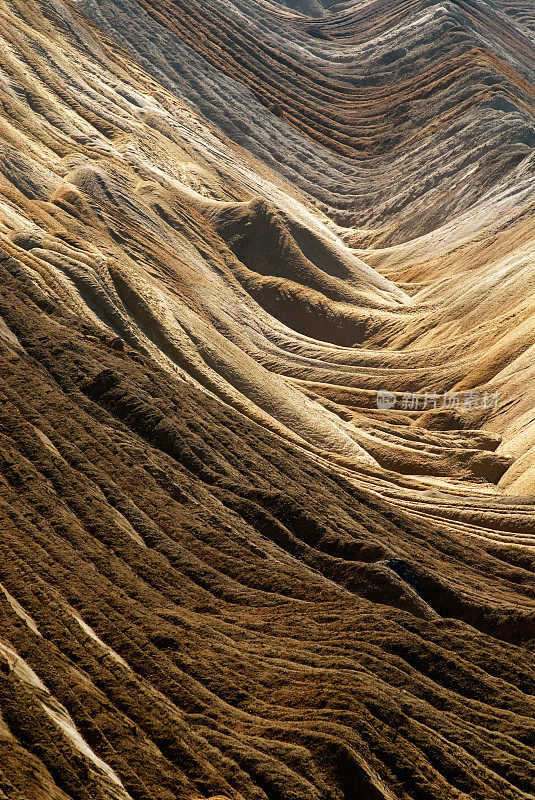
(224,228)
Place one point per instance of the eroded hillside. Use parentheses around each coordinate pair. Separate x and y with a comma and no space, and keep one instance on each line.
(267,405)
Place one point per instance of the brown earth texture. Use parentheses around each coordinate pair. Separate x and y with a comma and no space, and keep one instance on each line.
(267,400)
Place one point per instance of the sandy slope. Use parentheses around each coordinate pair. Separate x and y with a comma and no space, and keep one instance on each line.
(224,227)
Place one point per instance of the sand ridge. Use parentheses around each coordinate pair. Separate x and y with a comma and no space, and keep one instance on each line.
(224,228)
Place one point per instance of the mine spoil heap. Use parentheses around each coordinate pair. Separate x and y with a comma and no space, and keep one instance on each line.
(267,400)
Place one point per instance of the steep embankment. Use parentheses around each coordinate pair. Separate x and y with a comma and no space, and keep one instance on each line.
(224,228)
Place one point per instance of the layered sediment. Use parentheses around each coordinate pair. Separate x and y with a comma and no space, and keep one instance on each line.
(267,417)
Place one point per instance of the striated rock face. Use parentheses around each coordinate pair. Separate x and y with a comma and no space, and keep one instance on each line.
(267,400)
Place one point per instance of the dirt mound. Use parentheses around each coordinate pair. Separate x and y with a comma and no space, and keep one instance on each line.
(267,428)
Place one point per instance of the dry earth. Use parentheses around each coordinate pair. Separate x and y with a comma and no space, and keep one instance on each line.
(225,225)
